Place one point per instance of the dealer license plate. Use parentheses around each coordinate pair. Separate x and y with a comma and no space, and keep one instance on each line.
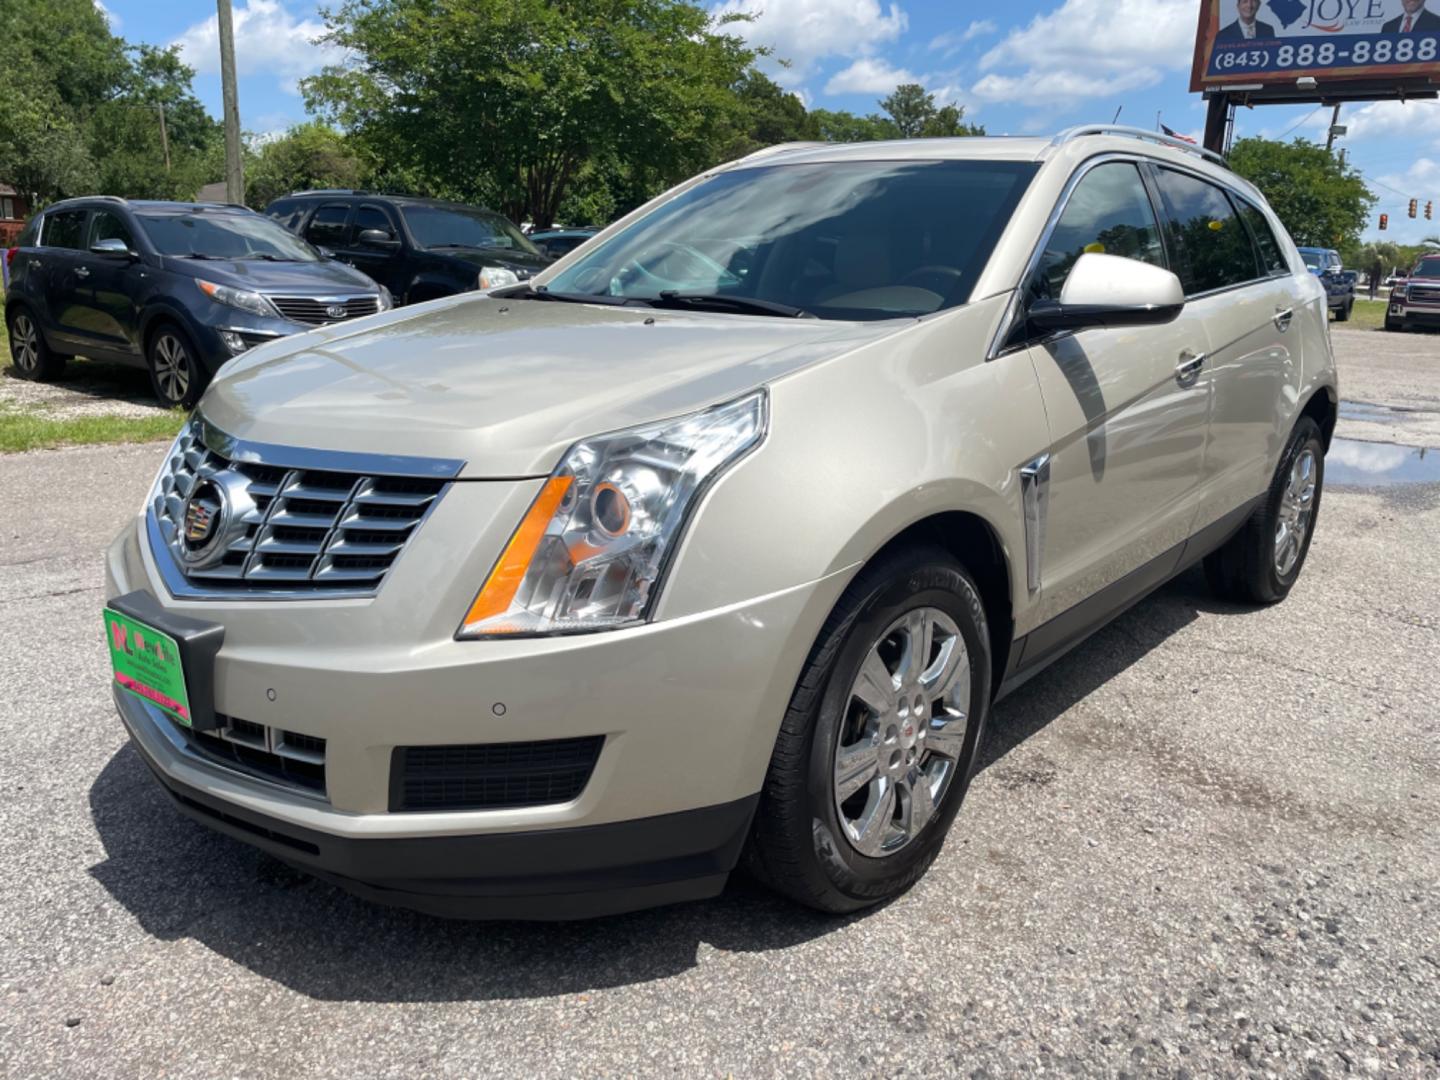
(147,664)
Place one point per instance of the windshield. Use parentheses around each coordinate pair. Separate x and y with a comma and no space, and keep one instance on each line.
(449,226)
(1427,268)
(225,236)
(847,240)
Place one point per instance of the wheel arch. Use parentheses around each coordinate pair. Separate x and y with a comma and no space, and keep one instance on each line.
(977,545)
(1323,406)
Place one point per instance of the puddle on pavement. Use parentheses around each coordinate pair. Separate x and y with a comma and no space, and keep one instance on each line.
(1353,463)
(1375,414)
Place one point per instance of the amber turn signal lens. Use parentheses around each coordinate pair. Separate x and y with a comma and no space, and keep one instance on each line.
(498,592)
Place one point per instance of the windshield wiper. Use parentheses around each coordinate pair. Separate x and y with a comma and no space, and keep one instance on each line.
(529,292)
(721,302)
(199,255)
(270,258)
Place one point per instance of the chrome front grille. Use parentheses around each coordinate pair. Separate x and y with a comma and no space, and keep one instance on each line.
(1423,294)
(280,529)
(317,311)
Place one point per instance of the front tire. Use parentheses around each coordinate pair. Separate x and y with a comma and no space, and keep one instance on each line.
(1343,315)
(176,374)
(1260,563)
(32,358)
(875,751)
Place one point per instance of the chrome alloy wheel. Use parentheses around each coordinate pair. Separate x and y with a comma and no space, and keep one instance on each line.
(1297,507)
(903,732)
(24,343)
(172,368)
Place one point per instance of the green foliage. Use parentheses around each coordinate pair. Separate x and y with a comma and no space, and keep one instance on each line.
(829,126)
(517,96)
(914,114)
(81,108)
(1321,202)
(312,155)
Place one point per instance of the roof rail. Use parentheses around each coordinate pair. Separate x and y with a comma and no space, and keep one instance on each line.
(1081,130)
(332,191)
(781,148)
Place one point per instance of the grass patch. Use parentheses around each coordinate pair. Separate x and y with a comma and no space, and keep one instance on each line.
(35,431)
(1366,315)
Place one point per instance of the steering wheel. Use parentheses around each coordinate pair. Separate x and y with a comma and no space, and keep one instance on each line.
(713,273)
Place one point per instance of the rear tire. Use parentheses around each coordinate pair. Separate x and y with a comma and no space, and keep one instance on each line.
(1260,563)
(1343,315)
(176,373)
(858,798)
(31,357)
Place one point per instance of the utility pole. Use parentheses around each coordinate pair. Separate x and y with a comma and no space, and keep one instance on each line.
(234,168)
(164,138)
(1334,122)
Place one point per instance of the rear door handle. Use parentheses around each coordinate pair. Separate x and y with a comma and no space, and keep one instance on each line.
(83,271)
(1188,369)
(1283,317)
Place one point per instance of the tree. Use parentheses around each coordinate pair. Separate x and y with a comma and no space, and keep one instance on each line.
(125,134)
(1321,202)
(914,113)
(312,155)
(839,126)
(508,100)
(57,60)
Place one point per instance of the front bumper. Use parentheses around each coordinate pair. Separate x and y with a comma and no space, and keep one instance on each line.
(1409,314)
(571,873)
(688,707)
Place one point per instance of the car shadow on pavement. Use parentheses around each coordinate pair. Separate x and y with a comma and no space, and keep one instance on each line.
(180,880)
(99,379)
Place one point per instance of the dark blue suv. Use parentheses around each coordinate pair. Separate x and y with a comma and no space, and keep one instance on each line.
(178,288)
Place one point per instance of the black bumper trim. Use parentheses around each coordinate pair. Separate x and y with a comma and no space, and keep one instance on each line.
(575,873)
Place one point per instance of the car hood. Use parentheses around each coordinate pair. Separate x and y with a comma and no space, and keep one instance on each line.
(324,278)
(507,385)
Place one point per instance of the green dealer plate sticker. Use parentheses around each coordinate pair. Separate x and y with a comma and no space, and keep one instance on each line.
(147,663)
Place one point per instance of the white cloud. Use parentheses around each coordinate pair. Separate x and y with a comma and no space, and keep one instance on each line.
(268,40)
(111,18)
(806,31)
(978,27)
(950,43)
(1059,87)
(1089,49)
(868,76)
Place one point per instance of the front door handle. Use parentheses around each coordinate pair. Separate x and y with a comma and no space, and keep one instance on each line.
(83,271)
(1187,371)
(1283,317)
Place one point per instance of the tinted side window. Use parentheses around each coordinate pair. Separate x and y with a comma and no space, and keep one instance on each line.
(1108,212)
(372,217)
(1265,242)
(65,229)
(328,225)
(107,226)
(1207,241)
(287,212)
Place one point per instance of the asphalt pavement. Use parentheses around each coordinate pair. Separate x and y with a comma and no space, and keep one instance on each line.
(1205,843)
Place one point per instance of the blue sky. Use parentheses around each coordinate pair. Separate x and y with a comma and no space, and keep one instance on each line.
(1022,67)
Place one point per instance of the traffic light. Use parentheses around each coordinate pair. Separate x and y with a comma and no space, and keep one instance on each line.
(1413,204)
(1384,221)
(1428,205)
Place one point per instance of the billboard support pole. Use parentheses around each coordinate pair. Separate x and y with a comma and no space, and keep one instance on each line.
(1217,115)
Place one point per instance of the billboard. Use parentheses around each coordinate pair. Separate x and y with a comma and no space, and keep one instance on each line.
(1278,41)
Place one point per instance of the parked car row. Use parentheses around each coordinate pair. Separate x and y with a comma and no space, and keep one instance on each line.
(181,288)
(1339,284)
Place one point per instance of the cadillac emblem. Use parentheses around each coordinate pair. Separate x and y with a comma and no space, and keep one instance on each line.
(203,522)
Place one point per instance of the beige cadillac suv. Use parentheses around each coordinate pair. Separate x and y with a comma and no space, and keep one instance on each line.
(720,539)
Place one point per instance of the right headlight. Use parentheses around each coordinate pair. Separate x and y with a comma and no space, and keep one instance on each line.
(591,549)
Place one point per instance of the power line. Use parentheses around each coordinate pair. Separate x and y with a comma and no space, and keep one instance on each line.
(1302,120)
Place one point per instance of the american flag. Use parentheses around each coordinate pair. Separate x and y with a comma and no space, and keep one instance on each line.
(1176,135)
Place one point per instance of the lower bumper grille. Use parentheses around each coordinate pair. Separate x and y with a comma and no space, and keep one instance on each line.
(282,757)
(492,776)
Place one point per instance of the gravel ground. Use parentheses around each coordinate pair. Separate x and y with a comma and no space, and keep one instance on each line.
(1206,843)
(87,388)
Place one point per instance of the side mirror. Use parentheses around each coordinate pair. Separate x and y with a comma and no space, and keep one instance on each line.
(378,238)
(112,248)
(1107,290)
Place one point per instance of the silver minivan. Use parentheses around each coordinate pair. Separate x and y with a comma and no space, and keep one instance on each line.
(720,538)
